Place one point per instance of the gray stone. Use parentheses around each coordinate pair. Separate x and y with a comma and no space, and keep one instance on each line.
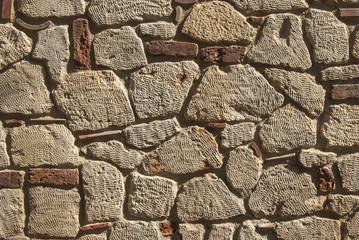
(250,6)
(191,231)
(348,166)
(53,8)
(281,43)
(134,230)
(248,230)
(352,230)
(238,134)
(159,89)
(94,100)
(101,236)
(119,49)
(340,73)
(223,231)
(238,92)
(310,158)
(161,29)
(207,198)
(4,158)
(342,204)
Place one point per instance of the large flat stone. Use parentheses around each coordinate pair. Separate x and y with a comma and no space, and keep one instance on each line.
(251,6)
(53,8)
(352,230)
(224,231)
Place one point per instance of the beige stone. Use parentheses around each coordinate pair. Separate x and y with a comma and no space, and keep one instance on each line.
(134,230)
(250,6)
(101,236)
(342,204)
(339,2)
(348,166)
(340,73)
(191,231)
(352,230)
(355,47)
(161,29)
(248,230)
(238,134)
(53,8)
(310,158)
(4,158)
(223,231)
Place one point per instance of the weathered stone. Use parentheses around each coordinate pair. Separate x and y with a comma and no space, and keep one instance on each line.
(191,231)
(207,198)
(325,180)
(281,43)
(11,179)
(288,128)
(168,228)
(151,197)
(328,37)
(4,158)
(95,226)
(12,213)
(161,29)
(355,44)
(352,230)
(51,176)
(43,145)
(15,45)
(223,231)
(94,100)
(340,73)
(172,48)
(251,6)
(217,21)
(238,134)
(82,46)
(310,158)
(179,156)
(345,92)
(248,230)
(300,87)
(340,2)
(134,230)
(341,126)
(6,11)
(55,8)
(53,212)
(179,14)
(231,54)
(119,49)
(33,27)
(348,166)
(101,236)
(159,89)
(238,92)
(114,152)
(53,46)
(342,204)
(23,90)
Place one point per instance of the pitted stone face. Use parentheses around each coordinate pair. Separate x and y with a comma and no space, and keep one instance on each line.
(251,6)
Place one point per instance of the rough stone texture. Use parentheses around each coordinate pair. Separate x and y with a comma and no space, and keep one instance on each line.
(23,90)
(95,226)
(11,179)
(123,11)
(288,128)
(103,187)
(345,92)
(223,231)
(300,87)
(119,49)
(94,100)
(114,152)
(53,45)
(341,73)
(250,6)
(328,37)
(339,2)
(161,30)
(151,134)
(54,8)
(178,156)
(101,236)
(231,54)
(355,46)
(325,179)
(151,197)
(191,231)
(352,231)
(12,213)
(159,89)
(348,166)
(238,92)
(243,170)
(207,198)
(248,230)
(172,49)
(238,134)
(51,176)
(43,145)
(53,212)
(82,46)
(341,126)
(4,158)
(281,43)
(342,204)
(315,158)
(15,45)
(217,21)
(134,230)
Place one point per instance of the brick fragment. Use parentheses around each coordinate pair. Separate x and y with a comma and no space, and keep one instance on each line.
(186,1)
(51,176)
(179,14)
(345,91)
(6,9)
(168,228)
(266,226)
(349,12)
(48,120)
(91,227)
(11,179)
(256,20)
(34,27)
(100,135)
(81,40)
(326,180)
(14,122)
(217,125)
(172,48)
(230,54)
(256,149)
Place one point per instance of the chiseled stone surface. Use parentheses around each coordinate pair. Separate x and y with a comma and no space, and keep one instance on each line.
(4,158)
(238,134)
(250,6)
(136,230)
(191,231)
(352,230)
(315,158)
(161,29)
(342,204)
(348,166)
(355,47)
(223,231)
(101,236)
(248,230)
(340,73)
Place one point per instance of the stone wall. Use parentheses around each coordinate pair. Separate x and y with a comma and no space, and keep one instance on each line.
(179,119)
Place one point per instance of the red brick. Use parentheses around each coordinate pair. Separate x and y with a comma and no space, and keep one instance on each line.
(48,120)
(82,49)
(6,9)
(345,91)
(32,26)
(172,48)
(256,149)
(349,12)
(231,54)
(325,180)
(11,179)
(179,14)
(266,226)
(217,125)
(51,176)
(186,1)
(256,20)
(14,122)
(168,228)
(91,227)
(100,135)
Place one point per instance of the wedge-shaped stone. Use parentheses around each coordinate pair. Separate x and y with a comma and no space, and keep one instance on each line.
(223,231)
(288,128)
(342,204)
(43,145)
(54,212)
(103,186)
(192,150)
(15,45)
(250,6)
(348,166)
(161,29)
(328,36)
(151,134)
(207,198)
(237,134)
(119,49)
(281,43)
(159,89)
(134,230)
(151,197)
(4,158)
(123,11)
(310,158)
(300,87)
(53,8)
(340,73)
(191,231)
(238,92)
(352,230)
(23,90)
(94,100)
(114,152)
(217,21)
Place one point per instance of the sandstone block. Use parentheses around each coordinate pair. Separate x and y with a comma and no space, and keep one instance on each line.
(345,92)
(352,231)
(134,230)
(4,158)
(342,204)
(348,166)
(191,231)
(238,134)
(54,8)
(231,54)
(248,230)
(310,158)
(355,44)
(11,179)
(82,41)
(340,73)
(223,231)
(161,30)
(52,176)
(172,48)
(101,236)
(251,6)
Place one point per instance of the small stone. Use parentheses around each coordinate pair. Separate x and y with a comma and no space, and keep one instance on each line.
(352,231)
(168,228)
(340,73)
(257,151)
(231,54)
(266,226)
(223,231)
(11,179)
(257,21)
(15,122)
(310,158)
(101,236)
(172,48)
(326,180)
(82,44)
(179,14)
(269,6)
(348,166)
(33,27)
(345,92)
(238,134)
(95,226)
(100,135)
(134,230)
(51,176)
(186,1)
(342,204)
(161,30)
(4,158)
(7,6)
(217,125)
(249,229)
(191,231)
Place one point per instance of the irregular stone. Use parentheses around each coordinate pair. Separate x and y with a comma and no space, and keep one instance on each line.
(352,231)
(191,231)
(53,45)
(325,179)
(340,73)
(281,43)
(179,15)
(55,8)
(51,176)
(123,11)
(342,204)
(134,230)
(23,90)
(15,45)
(237,93)
(248,230)
(172,48)
(4,158)
(159,89)
(115,152)
(168,228)
(161,29)
(54,212)
(328,37)
(207,198)
(94,100)
(243,170)
(237,134)
(348,166)
(151,134)
(288,128)
(82,44)
(223,231)
(216,22)
(251,6)
(231,54)
(12,213)
(43,145)
(101,236)
(310,158)
(179,156)
(104,191)
(151,197)
(300,87)
(345,92)
(341,126)
(11,179)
